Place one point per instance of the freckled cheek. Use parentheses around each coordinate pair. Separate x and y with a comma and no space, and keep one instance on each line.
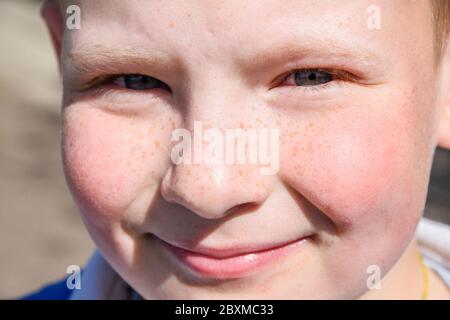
(108,161)
(351,171)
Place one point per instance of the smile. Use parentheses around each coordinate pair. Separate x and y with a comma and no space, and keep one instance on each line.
(230,263)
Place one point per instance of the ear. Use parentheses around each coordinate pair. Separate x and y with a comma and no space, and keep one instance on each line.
(444,121)
(444,129)
(51,14)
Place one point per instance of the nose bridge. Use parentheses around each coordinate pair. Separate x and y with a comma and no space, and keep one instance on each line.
(212,97)
(208,184)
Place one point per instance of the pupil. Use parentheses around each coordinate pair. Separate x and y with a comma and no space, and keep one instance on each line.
(312,76)
(141,82)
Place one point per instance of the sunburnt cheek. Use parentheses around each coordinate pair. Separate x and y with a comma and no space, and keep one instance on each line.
(348,170)
(108,159)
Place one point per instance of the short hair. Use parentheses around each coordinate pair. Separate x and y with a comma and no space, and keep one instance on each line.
(441,20)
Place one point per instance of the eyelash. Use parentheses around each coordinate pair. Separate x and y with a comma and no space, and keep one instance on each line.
(338,77)
(102,84)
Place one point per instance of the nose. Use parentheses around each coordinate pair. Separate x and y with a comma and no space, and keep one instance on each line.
(214,191)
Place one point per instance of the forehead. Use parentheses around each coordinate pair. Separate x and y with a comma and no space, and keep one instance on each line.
(219,29)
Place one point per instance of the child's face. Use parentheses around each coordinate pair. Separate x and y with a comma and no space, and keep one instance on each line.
(354,152)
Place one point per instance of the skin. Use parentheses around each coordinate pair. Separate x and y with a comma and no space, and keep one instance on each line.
(355,154)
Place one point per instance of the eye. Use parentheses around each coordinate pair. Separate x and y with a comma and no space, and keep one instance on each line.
(139,82)
(309,77)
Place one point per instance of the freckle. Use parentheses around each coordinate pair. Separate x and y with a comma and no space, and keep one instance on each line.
(309,126)
(310,148)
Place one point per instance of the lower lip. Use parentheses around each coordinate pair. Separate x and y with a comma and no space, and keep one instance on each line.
(233,267)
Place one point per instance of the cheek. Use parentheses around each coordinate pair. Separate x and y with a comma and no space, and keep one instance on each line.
(357,169)
(361,173)
(109,159)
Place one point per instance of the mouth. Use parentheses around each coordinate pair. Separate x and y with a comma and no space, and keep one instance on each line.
(232,262)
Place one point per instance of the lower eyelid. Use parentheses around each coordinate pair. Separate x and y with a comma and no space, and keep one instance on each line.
(129,104)
(313,87)
(322,91)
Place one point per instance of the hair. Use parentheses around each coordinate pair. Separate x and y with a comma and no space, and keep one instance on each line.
(441,20)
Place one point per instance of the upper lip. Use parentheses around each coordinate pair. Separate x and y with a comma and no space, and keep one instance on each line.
(230,251)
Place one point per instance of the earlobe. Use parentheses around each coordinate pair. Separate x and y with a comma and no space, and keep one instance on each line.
(51,14)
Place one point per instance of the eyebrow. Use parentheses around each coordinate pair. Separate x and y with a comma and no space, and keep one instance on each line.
(103,59)
(305,48)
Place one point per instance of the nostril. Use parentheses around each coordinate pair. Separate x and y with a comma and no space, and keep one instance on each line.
(242,208)
(171,193)
(167,184)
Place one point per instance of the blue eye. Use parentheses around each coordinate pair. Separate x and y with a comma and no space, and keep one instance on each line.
(306,78)
(139,82)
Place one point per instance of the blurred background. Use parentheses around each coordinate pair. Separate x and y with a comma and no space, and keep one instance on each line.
(41,232)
